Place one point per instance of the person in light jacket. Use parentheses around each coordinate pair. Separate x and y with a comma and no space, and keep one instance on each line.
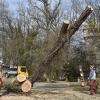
(92,79)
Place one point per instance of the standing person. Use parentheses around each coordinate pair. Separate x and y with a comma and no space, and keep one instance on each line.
(92,79)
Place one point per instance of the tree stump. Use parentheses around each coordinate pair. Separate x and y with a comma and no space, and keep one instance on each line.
(21,78)
(26,86)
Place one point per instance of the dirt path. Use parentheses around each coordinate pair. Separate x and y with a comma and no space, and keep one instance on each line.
(52,91)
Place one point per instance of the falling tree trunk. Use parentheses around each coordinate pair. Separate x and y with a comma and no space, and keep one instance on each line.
(65,35)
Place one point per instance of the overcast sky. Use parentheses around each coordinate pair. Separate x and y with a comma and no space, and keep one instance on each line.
(13,4)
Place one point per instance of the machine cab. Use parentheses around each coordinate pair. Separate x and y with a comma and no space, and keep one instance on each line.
(23,70)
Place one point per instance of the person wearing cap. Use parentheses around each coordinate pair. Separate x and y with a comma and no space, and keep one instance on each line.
(92,79)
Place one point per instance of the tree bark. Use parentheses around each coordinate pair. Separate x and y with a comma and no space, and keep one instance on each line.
(65,35)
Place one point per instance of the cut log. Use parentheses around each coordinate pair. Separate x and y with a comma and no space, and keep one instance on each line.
(21,78)
(59,44)
(13,85)
(26,86)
